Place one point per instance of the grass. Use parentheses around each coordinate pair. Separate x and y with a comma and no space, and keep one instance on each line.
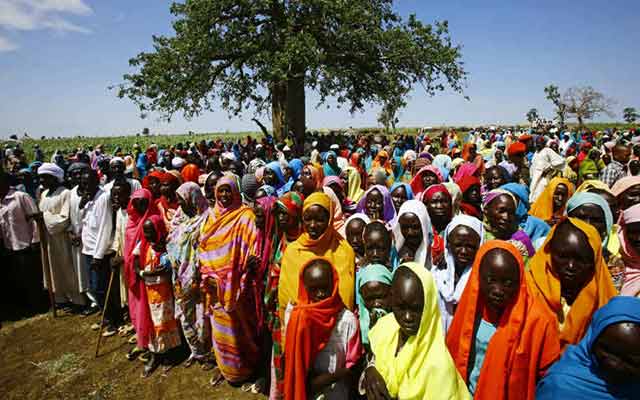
(62,369)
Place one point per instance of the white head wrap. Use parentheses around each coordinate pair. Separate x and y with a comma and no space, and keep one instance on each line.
(423,254)
(53,170)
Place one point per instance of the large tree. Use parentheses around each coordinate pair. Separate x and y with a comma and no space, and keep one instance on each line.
(630,115)
(532,115)
(262,55)
(584,103)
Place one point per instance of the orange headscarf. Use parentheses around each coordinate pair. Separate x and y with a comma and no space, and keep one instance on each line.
(524,345)
(308,332)
(317,174)
(543,206)
(594,295)
(387,164)
(190,173)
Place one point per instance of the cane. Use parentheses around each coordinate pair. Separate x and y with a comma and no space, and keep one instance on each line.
(104,309)
(44,253)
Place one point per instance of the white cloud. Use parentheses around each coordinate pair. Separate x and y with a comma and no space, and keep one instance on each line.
(29,15)
(6,45)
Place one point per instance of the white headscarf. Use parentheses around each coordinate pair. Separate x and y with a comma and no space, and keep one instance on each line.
(423,254)
(445,278)
(53,170)
(361,216)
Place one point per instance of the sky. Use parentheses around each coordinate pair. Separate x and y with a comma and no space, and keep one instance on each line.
(58,58)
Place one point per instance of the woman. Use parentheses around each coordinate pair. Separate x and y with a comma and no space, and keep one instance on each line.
(411,357)
(502,339)
(440,207)
(425,177)
(462,239)
(273,175)
(400,172)
(413,233)
(319,239)
(627,191)
(330,164)
(570,276)
(190,173)
(356,162)
(471,196)
(602,366)
(400,192)
(534,227)
(383,161)
(593,209)
(168,203)
(630,240)
(311,179)
(227,256)
(500,221)
(181,248)
(354,184)
(377,204)
(550,205)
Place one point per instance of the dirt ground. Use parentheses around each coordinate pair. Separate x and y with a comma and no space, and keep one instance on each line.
(47,358)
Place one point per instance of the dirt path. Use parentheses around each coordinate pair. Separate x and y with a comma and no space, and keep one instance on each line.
(46,358)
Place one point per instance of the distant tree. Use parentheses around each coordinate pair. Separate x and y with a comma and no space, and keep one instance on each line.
(262,55)
(532,115)
(584,103)
(630,115)
(553,95)
(145,132)
(388,115)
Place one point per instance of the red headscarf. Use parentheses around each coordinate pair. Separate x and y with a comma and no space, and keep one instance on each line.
(159,240)
(465,184)
(524,346)
(437,246)
(157,174)
(416,184)
(308,332)
(190,173)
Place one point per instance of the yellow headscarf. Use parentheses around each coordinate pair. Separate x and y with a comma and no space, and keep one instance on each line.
(543,206)
(423,369)
(354,189)
(329,245)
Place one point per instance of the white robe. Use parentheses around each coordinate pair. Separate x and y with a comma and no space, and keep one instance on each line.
(76,216)
(545,158)
(64,279)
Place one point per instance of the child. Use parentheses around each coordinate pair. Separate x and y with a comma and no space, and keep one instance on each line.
(323,340)
(355,235)
(373,296)
(152,265)
(377,246)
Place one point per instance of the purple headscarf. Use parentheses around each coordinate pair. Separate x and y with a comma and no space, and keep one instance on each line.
(388,212)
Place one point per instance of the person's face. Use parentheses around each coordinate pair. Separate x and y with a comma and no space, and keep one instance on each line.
(463,243)
(140,205)
(210,187)
(149,231)
(234,168)
(572,259)
(49,181)
(472,152)
(411,229)
(354,233)
(407,302)
(499,156)
(560,197)
(308,183)
(383,160)
(591,214)
(186,207)
(501,213)
(493,179)
(375,204)
(331,160)
(377,247)
(224,195)
(439,207)
(316,221)
(473,195)
(630,197)
(398,197)
(88,182)
(499,279)
(75,176)
(260,217)
(120,195)
(517,159)
(282,219)
(554,146)
(318,281)
(428,179)
(376,295)
(167,190)
(154,186)
(394,164)
(270,177)
(298,187)
(117,168)
(632,235)
(344,177)
(622,154)
(617,351)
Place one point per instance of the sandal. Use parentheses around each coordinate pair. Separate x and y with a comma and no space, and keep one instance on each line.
(255,388)
(134,353)
(217,378)
(145,356)
(150,366)
(132,340)
(190,361)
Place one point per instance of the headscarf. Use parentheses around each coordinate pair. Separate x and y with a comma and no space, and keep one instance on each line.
(543,206)
(443,163)
(423,368)
(594,295)
(523,346)
(388,210)
(275,167)
(407,189)
(190,173)
(296,166)
(577,375)
(370,273)
(466,183)
(269,190)
(466,169)
(592,184)
(580,199)
(249,185)
(316,175)
(330,170)
(292,203)
(456,196)
(631,258)
(519,238)
(354,185)
(449,291)
(416,183)
(329,245)
(53,170)
(621,185)
(387,164)
(308,332)
(161,233)
(534,227)
(338,216)
(423,254)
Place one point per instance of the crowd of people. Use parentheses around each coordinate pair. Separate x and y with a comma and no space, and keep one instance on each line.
(494,263)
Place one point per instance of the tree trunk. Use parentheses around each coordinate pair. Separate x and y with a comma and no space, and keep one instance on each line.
(580,121)
(296,111)
(279,109)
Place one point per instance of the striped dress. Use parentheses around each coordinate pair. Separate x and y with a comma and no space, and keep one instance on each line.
(228,239)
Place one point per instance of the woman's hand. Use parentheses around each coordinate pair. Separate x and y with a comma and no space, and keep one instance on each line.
(374,385)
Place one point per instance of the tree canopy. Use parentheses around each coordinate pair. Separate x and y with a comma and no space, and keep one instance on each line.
(630,115)
(532,115)
(261,55)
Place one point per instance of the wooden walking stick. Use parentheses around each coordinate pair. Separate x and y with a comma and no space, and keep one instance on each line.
(44,253)
(104,309)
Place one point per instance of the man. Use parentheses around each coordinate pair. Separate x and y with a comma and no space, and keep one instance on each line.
(545,164)
(22,274)
(54,205)
(117,168)
(616,169)
(76,215)
(97,227)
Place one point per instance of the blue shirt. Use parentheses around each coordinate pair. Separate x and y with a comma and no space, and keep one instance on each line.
(483,336)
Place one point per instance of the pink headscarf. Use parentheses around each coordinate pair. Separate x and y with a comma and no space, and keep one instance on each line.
(338,216)
(466,169)
(631,285)
(623,184)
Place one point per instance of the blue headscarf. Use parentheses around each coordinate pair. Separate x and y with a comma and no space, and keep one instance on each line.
(534,227)
(582,198)
(296,166)
(407,188)
(370,273)
(141,165)
(275,167)
(398,171)
(328,169)
(576,375)
(443,162)
(269,190)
